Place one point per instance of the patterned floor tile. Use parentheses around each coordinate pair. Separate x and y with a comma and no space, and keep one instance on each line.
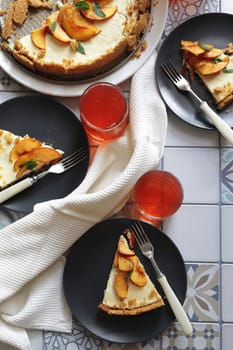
(202,300)
(153,344)
(227,175)
(204,337)
(79,339)
(201,304)
(181,10)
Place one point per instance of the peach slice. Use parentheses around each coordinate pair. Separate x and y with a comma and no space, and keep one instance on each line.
(123,247)
(196,50)
(75,25)
(137,264)
(25,163)
(23,146)
(138,276)
(38,37)
(130,238)
(120,284)
(124,264)
(100,13)
(115,260)
(56,29)
(186,43)
(23,160)
(28,167)
(211,54)
(44,155)
(207,68)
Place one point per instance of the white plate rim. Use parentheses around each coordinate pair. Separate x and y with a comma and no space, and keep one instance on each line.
(21,75)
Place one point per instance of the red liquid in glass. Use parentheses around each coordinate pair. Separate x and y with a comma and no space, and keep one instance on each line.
(104,111)
(157,195)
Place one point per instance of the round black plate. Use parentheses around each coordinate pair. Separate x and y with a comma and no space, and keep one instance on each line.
(212,28)
(49,121)
(86,273)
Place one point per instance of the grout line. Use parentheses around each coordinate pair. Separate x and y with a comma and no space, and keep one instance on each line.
(220,248)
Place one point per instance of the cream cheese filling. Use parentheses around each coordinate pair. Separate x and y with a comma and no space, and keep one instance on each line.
(7,173)
(137,296)
(221,84)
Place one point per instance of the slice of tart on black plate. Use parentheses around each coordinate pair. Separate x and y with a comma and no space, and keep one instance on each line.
(214,66)
(22,155)
(129,289)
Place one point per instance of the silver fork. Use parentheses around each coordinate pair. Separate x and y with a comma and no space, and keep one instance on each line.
(147,249)
(62,166)
(182,84)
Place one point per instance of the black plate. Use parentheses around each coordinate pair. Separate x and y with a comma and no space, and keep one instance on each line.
(49,121)
(86,273)
(212,28)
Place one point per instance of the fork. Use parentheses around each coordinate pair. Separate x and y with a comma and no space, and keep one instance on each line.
(147,249)
(182,84)
(62,166)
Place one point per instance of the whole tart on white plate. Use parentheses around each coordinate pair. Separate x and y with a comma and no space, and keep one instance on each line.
(214,66)
(22,155)
(82,37)
(129,290)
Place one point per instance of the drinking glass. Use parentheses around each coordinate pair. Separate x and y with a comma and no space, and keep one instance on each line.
(104,111)
(156,196)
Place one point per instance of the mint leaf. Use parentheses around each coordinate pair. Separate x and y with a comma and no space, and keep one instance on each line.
(53,26)
(30,164)
(205,47)
(81,49)
(97,10)
(216,60)
(82,5)
(229,70)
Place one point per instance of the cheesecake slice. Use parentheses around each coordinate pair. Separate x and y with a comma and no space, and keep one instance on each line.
(214,66)
(22,155)
(129,289)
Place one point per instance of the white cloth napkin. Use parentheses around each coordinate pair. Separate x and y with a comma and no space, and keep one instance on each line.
(31,249)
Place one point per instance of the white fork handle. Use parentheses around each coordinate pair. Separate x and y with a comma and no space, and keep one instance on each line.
(219,123)
(176,306)
(16,188)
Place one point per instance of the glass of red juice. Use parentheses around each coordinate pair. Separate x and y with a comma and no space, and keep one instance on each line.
(104,111)
(156,196)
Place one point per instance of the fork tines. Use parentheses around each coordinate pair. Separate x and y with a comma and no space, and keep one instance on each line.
(139,233)
(77,156)
(170,70)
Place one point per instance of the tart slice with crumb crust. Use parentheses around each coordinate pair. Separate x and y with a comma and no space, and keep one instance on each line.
(129,289)
(214,66)
(22,155)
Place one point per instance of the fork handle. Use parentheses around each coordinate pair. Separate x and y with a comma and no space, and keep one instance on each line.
(176,306)
(219,123)
(16,188)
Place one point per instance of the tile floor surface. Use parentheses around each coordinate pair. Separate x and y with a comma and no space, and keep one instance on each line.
(202,227)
